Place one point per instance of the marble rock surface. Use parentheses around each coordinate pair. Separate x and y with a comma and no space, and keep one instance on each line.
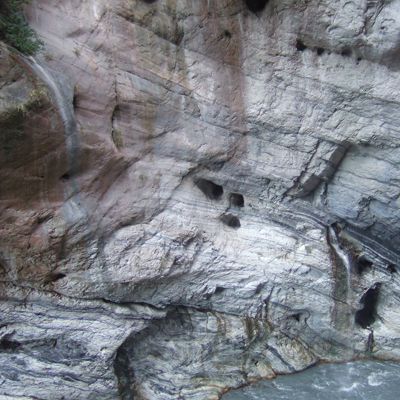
(197,194)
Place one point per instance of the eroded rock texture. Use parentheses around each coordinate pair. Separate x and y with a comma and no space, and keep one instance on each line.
(197,194)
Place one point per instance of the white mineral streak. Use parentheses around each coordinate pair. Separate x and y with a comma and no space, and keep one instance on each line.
(194,250)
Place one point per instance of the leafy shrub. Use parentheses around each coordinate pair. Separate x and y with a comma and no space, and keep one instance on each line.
(15,30)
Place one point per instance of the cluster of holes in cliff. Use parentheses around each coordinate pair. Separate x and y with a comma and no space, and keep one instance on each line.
(230,220)
(363,264)
(236,199)
(367,315)
(345,52)
(256,5)
(210,189)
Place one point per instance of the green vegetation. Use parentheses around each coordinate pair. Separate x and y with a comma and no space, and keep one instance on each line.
(14,30)
(117,137)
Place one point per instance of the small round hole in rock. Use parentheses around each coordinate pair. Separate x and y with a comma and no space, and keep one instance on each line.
(346,52)
(320,50)
(300,46)
(296,317)
(66,176)
(392,269)
(231,221)
(219,289)
(210,189)
(363,264)
(256,5)
(236,199)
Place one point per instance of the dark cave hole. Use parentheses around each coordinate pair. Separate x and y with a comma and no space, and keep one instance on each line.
(320,51)
(9,345)
(392,269)
(256,5)
(363,264)
(219,289)
(210,189)
(337,227)
(75,102)
(231,221)
(300,46)
(265,181)
(53,277)
(346,52)
(125,374)
(66,176)
(259,288)
(116,111)
(296,317)
(236,199)
(366,316)
(57,277)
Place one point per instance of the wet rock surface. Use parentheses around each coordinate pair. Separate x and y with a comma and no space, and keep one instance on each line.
(195,195)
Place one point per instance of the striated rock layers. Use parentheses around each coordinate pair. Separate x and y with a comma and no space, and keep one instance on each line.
(197,194)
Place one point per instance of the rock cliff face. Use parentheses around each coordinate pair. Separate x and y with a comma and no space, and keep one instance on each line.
(197,194)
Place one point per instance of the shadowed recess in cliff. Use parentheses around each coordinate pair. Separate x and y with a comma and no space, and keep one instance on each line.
(321,166)
(392,269)
(236,199)
(53,277)
(210,189)
(9,345)
(180,356)
(125,375)
(300,46)
(256,5)
(362,264)
(367,315)
(230,220)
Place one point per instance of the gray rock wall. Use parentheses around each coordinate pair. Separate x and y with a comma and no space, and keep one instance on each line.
(227,205)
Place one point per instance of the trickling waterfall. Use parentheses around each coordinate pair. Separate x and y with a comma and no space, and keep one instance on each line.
(340,253)
(342,317)
(65,110)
